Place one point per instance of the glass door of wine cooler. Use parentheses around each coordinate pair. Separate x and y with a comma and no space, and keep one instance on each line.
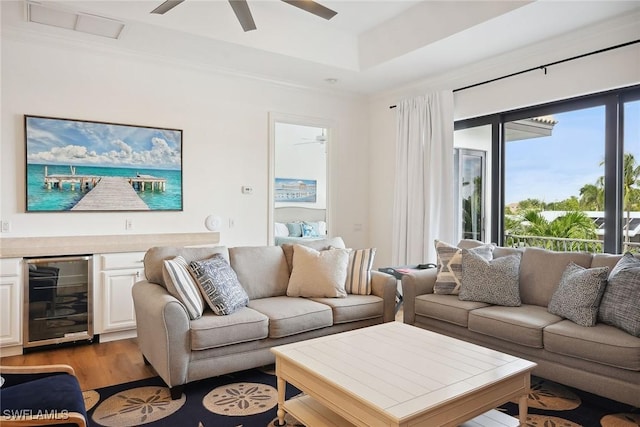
(58,300)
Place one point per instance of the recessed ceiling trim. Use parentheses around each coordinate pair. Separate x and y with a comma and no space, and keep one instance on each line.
(84,23)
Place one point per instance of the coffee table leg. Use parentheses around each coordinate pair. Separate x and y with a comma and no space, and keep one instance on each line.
(282,387)
(523,408)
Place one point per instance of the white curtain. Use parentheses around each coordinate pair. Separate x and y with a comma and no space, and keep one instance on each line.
(423,207)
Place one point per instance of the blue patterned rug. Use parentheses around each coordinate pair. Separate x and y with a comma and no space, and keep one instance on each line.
(249,399)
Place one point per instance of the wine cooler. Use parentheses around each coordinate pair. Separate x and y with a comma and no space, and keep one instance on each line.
(58,300)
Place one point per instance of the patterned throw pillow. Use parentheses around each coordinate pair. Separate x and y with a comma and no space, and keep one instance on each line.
(621,300)
(180,284)
(493,282)
(579,293)
(318,273)
(449,275)
(359,271)
(219,285)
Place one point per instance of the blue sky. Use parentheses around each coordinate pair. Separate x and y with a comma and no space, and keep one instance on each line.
(556,167)
(57,141)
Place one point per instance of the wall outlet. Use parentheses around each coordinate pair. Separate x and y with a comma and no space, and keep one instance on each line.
(232,223)
(246,189)
(6,227)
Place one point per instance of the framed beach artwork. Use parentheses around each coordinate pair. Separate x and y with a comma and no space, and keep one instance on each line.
(80,165)
(296,190)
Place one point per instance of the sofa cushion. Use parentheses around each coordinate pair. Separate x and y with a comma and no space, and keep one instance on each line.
(354,307)
(291,315)
(318,273)
(219,285)
(448,308)
(450,265)
(620,304)
(601,343)
(541,270)
(578,295)
(262,270)
(359,271)
(154,258)
(318,245)
(181,284)
(493,282)
(211,331)
(521,325)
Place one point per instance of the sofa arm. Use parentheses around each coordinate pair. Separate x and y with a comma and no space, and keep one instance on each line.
(416,283)
(385,286)
(162,324)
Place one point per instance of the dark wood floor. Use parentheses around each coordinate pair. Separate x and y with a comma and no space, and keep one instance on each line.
(96,365)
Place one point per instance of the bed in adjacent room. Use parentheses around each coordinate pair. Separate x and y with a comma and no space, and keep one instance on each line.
(294,224)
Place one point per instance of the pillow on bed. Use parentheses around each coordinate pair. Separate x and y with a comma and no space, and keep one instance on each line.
(281,230)
(308,230)
(295,229)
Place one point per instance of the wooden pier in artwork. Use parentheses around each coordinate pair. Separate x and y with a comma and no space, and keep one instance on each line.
(88,182)
(106,192)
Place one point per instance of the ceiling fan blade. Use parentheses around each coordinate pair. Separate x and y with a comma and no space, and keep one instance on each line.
(166,6)
(313,7)
(241,9)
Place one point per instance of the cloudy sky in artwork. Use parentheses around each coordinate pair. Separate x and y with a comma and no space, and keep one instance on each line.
(71,142)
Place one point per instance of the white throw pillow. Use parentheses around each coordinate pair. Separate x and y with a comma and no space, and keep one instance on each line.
(359,271)
(281,230)
(320,274)
(181,284)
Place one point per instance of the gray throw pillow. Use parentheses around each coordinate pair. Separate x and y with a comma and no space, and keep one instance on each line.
(219,285)
(492,282)
(579,293)
(450,266)
(620,304)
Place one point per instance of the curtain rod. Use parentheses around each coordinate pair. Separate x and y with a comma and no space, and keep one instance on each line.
(544,67)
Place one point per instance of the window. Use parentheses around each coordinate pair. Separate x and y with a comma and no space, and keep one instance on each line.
(470,198)
(565,175)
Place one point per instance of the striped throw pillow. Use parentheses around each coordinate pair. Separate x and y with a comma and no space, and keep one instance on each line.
(182,285)
(359,271)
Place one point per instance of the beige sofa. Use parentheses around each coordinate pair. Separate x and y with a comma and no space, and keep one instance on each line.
(183,350)
(601,359)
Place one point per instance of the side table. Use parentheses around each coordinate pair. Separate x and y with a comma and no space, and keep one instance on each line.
(400,271)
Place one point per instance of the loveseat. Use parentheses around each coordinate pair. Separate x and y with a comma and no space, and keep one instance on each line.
(601,359)
(182,350)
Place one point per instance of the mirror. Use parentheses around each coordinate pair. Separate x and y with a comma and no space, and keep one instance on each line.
(298,178)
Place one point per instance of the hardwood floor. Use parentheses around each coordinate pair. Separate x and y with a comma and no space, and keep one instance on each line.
(96,365)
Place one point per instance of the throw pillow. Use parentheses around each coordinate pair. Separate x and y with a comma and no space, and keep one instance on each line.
(219,285)
(579,293)
(449,275)
(359,271)
(181,284)
(491,282)
(295,229)
(307,230)
(318,273)
(621,299)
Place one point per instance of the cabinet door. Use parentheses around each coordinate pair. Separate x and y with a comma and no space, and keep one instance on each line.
(117,306)
(10,303)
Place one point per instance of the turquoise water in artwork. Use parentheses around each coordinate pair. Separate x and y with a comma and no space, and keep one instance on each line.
(39,198)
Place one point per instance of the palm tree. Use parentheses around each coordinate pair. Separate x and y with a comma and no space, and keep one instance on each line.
(592,196)
(631,175)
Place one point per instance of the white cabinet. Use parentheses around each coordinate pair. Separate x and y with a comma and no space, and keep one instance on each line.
(116,275)
(10,304)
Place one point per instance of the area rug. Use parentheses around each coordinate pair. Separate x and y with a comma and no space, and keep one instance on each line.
(249,399)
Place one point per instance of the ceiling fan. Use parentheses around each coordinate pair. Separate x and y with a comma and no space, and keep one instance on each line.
(241,9)
(319,139)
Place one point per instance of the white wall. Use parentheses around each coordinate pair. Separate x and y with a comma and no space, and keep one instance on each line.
(225,140)
(613,69)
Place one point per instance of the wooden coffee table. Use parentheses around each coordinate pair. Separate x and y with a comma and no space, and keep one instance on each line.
(395,374)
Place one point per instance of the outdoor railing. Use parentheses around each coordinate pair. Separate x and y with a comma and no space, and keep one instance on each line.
(563,244)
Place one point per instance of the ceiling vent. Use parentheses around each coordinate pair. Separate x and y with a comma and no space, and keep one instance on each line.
(84,23)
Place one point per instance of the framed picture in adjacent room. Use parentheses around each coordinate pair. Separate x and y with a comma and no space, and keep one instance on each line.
(296,190)
(81,165)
